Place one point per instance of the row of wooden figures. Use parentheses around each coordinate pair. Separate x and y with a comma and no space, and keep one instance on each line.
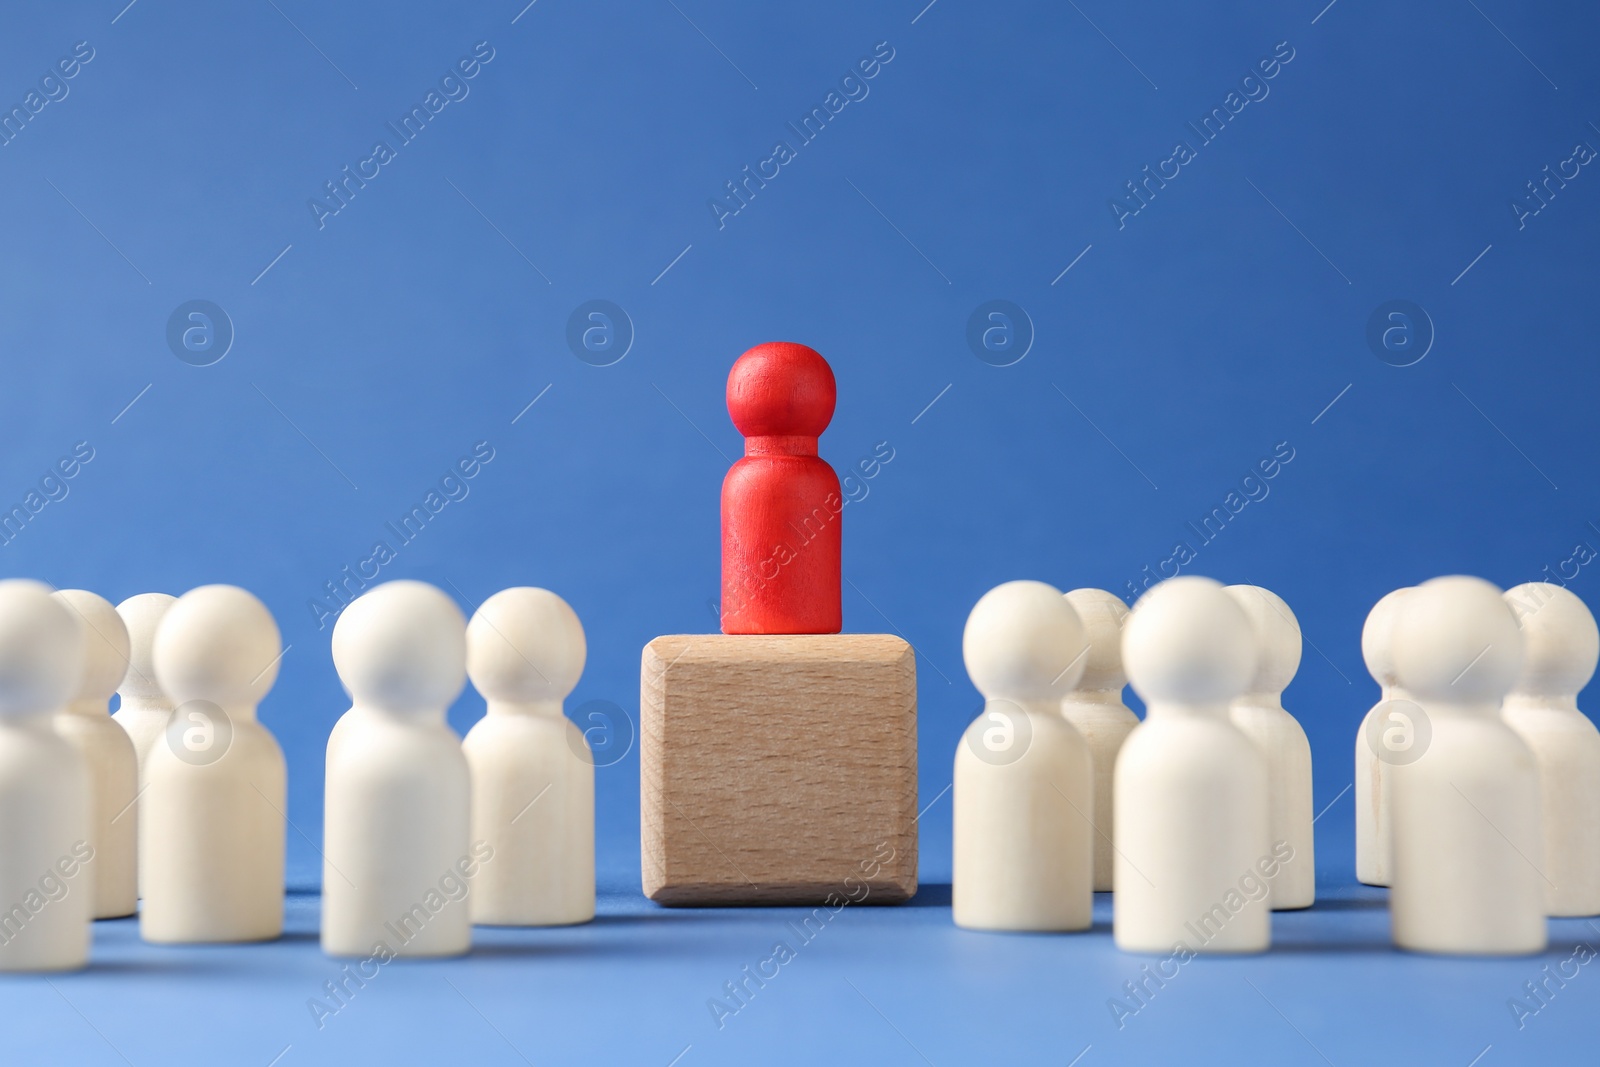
(180,798)
(1477,778)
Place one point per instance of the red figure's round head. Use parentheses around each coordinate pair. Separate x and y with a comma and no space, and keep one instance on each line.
(781,390)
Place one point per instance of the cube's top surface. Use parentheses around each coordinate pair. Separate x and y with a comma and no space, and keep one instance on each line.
(796,649)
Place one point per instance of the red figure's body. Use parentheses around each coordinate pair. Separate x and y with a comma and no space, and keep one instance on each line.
(780,502)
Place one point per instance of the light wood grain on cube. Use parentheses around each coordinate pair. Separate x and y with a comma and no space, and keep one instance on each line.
(775,768)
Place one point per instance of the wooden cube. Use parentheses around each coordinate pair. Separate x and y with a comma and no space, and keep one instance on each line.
(775,768)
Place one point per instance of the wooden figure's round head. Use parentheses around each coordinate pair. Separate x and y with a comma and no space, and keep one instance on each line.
(1377,637)
(1187,641)
(1277,638)
(1560,644)
(1456,642)
(142,615)
(525,646)
(1102,615)
(41,649)
(402,646)
(217,643)
(105,645)
(1023,641)
(781,389)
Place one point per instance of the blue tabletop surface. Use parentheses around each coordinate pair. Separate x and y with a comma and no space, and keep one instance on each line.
(890,985)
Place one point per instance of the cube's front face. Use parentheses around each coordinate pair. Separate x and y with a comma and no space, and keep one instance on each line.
(778,769)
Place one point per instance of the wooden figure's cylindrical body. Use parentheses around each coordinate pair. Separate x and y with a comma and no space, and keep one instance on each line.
(1384,746)
(396,825)
(781,503)
(1104,722)
(533,803)
(1287,755)
(1194,854)
(1468,844)
(1374,799)
(1566,746)
(1023,849)
(781,546)
(46,861)
(114,785)
(211,834)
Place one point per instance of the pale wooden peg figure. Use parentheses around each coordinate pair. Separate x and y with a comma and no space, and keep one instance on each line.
(1468,847)
(45,796)
(145,708)
(1095,707)
(532,769)
(211,819)
(1024,776)
(1194,853)
(1281,741)
(1560,647)
(399,858)
(106,747)
(1384,741)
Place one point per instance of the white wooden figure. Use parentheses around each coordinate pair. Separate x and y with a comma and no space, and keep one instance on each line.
(1374,791)
(1095,707)
(1467,841)
(532,771)
(1193,850)
(1560,646)
(1281,741)
(46,895)
(145,709)
(212,817)
(1024,776)
(106,747)
(397,806)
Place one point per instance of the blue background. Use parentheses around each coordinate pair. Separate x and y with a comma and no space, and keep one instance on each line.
(1178,350)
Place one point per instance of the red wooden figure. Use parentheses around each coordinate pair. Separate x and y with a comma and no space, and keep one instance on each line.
(781,503)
